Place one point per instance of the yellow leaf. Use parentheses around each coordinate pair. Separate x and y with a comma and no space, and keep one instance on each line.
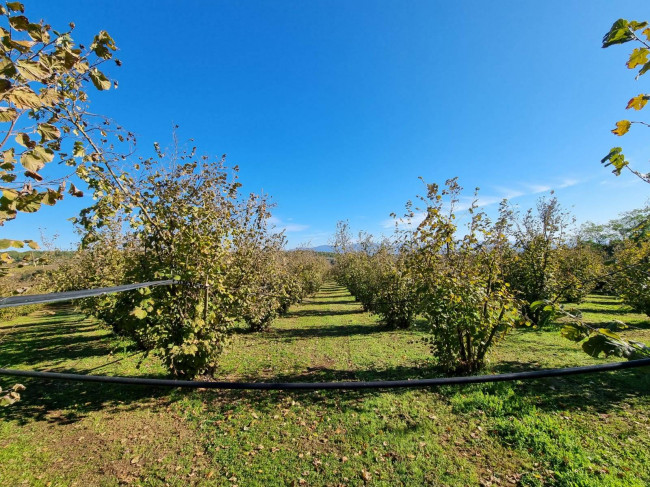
(32,70)
(638,102)
(622,127)
(24,98)
(638,56)
(647,33)
(7,114)
(32,244)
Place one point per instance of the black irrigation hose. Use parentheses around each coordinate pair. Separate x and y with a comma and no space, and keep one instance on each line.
(535,374)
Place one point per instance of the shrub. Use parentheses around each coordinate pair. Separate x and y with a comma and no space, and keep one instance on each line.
(631,275)
(534,271)
(579,270)
(461,284)
(395,297)
(182,219)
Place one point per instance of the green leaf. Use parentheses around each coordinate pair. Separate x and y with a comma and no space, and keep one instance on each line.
(10,194)
(622,127)
(30,203)
(639,56)
(618,34)
(21,46)
(601,343)
(609,333)
(643,70)
(594,346)
(102,45)
(537,304)
(634,25)
(573,332)
(99,79)
(615,158)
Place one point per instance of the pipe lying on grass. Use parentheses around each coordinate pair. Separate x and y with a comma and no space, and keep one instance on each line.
(477,379)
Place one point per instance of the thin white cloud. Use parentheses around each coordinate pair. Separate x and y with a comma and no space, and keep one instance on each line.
(538,188)
(509,193)
(295,227)
(569,182)
(621,182)
(278,224)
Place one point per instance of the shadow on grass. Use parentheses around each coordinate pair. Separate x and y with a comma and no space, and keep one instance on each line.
(324,296)
(598,393)
(55,342)
(345,301)
(603,302)
(58,341)
(324,312)
(619,311)
(65,402)
(283,334)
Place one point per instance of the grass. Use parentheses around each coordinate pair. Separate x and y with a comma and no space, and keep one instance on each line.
(582,430)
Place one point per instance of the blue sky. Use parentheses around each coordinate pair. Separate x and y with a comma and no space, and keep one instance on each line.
(334,108)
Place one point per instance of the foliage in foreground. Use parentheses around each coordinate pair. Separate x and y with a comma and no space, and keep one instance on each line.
(595,340)
(44,108)
(621,32)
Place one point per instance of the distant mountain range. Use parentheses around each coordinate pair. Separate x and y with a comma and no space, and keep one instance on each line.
(323,248)
(326,248)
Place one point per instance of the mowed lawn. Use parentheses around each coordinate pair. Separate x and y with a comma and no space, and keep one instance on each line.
(582,430)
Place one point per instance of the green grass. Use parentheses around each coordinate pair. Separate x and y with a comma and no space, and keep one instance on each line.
(581,430)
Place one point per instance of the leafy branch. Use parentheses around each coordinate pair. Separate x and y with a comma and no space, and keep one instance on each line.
(621,32)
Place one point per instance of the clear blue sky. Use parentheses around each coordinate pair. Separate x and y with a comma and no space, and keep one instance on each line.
(336,107)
